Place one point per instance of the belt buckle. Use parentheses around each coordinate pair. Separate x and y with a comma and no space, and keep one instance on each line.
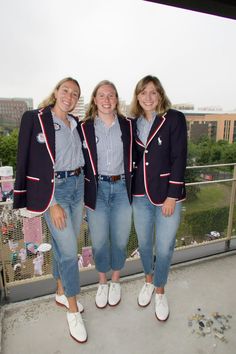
(77,172)
(115,178)
(58,175)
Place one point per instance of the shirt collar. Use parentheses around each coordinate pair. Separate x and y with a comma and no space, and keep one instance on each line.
(144,120)
(99,121)
(73,123)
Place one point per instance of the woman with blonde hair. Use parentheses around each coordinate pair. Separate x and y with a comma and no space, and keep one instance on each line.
(49,180)
(107,146)
(160,142)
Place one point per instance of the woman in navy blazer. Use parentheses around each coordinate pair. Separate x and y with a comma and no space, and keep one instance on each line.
(158,185)
(107,145)
(49,180)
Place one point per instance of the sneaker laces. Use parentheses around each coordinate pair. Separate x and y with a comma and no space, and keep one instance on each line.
(114,286)
(147,287)
(161,300)
(102,288)
(78,319)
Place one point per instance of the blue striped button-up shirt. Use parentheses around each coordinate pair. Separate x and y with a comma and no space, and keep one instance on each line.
(143,127)
(69,154)
(109,148)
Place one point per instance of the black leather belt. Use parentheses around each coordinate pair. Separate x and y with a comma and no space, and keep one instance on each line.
(110,178)
(65,174)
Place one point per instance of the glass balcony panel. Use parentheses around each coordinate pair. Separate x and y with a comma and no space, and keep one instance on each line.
(205,214)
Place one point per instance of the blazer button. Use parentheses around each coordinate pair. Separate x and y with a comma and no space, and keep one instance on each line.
(52,180)
(147,163)
(146,151)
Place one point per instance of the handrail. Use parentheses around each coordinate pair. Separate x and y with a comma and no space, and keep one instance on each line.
(215,165)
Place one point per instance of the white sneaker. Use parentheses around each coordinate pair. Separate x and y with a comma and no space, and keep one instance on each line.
(76,327)
(114,296)
(161,307)
(145,294)
(102,296)
(61,300)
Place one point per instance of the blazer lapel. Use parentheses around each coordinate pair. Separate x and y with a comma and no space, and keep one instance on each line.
(46,122)
(127,139)
(157,124)
(90,141)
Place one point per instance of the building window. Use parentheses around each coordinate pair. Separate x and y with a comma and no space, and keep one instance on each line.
(226,129)
(234,132)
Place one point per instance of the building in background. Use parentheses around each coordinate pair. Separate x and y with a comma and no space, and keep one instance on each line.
(11,111)
(183,106)
(214,125)
(124,108)
(79,110)
(208,121)
(28,101)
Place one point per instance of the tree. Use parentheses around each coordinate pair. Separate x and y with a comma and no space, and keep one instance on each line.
(8,149)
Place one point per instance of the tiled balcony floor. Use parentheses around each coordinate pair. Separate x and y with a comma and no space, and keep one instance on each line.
(39,326)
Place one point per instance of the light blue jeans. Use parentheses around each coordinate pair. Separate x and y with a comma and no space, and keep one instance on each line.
(147,218)
(109,225)
(69,193)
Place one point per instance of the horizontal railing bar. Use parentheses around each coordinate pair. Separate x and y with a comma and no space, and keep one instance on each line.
(215,181)
(188,167)
(216,165)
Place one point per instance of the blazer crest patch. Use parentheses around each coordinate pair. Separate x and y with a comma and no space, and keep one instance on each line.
(40,138)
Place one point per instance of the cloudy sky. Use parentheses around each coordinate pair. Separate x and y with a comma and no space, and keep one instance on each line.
(193,54)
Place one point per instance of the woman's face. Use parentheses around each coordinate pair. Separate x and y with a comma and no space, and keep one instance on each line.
(67,96)
(149,98)
(105,100)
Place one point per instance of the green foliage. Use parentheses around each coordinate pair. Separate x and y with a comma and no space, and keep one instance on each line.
(207,151)
(8,148)
(133,242)
(200,222)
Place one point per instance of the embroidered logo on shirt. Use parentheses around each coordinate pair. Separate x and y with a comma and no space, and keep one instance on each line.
(57,126)
(40,138)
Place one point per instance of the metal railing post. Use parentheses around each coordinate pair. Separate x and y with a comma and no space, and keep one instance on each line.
(3,281)
(231,210)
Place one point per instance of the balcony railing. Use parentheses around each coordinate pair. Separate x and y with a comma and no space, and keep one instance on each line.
(208,227)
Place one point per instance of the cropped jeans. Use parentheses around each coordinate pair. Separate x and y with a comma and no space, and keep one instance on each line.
(109,225)
(148,219)
(69,193)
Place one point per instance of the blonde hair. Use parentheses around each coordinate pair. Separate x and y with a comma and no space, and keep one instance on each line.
(51,99)
(164,103)
(92,110)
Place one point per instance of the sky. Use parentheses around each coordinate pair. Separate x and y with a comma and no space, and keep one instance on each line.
(193,54)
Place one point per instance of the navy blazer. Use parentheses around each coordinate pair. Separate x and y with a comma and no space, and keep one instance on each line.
(87,134)
(160,164)
(34,184)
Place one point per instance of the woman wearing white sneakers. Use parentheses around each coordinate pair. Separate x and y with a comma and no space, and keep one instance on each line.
(107,146)
(50,180)
(158,185)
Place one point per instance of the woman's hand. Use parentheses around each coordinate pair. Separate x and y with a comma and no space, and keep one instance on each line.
(58,216)
(168,206)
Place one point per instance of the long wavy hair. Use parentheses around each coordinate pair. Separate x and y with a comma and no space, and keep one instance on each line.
(92,110)
(164,103)
(51,99)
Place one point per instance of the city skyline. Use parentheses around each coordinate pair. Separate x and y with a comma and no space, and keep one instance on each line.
(191,53)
